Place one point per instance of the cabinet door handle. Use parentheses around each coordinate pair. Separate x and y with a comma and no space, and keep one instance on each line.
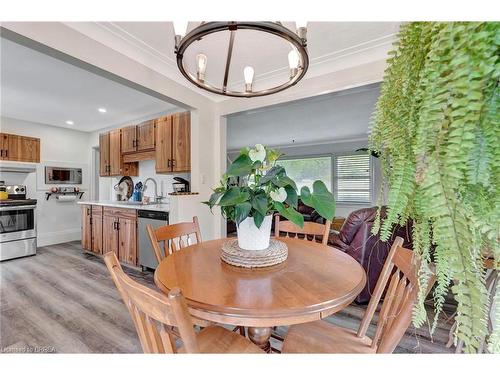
(169,163)
(173,162)
(1,153)
(88,211)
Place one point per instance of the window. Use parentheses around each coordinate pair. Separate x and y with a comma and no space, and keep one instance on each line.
(306,170)
(348,176)
(353,178)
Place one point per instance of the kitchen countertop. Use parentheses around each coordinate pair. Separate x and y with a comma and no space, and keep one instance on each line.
(149,207)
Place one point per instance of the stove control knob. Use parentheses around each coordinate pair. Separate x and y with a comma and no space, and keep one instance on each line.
(17,189)
(22,189)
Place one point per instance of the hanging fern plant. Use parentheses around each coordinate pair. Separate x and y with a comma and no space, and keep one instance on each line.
(437,130)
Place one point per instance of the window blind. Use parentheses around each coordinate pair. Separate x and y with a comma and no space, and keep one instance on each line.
(353,178)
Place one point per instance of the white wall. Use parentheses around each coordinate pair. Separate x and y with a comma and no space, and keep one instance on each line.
(57,221)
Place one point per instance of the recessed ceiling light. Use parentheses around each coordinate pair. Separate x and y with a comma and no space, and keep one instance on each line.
(69,122)
(102,110)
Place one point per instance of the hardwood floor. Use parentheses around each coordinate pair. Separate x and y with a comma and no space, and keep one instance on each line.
(63,300)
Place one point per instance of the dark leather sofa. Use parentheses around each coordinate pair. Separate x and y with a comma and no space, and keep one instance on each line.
(355,238)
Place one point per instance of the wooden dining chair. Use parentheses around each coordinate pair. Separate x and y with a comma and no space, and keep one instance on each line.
(393,320)
(310,231)
(173,237)
(156,315)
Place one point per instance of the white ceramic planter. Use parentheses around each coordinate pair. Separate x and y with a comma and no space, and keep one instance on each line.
(252,238)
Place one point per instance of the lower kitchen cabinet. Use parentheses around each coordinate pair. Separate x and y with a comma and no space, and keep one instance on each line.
(106,229)
(97,229)
(92,228)
(110,234)
(87,227)
(127,241)
(120,233)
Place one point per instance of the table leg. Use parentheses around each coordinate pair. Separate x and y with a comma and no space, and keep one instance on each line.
(260,337)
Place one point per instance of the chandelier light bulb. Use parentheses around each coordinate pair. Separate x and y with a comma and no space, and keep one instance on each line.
(293,62)
(180,27)
(293,59)
(301,24)
(248,72)
(201,61)
(301,29)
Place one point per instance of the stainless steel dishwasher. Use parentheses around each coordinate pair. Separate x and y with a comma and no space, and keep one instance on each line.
(147,258)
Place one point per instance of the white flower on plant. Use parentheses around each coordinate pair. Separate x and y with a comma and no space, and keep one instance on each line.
(279,195)
(258,153)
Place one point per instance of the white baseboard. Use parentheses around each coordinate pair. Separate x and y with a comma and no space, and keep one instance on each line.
(52,238)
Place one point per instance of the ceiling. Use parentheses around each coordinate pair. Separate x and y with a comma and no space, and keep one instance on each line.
(39,88)
(343,115)
(331,45)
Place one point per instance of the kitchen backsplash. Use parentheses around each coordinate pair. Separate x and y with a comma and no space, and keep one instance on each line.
(147,170)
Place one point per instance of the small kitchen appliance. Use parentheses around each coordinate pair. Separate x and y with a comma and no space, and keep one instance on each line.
(181,185)
(61,175)
(17,224)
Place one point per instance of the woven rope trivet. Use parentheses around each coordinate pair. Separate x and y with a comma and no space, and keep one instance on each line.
(276,253)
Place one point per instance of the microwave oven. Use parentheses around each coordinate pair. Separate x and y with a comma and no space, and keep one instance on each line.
(61,175)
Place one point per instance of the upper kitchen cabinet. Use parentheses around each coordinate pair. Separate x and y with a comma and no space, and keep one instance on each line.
(138,138)
(111,162)
(104,154)
(146,136)
(129,136)
(19,148)
(181,142)
(173,143)
(163,154)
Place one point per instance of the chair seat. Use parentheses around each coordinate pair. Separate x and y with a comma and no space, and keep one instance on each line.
(215,339)
(323,337)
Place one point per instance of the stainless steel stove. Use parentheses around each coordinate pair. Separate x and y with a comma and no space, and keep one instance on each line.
(17,224)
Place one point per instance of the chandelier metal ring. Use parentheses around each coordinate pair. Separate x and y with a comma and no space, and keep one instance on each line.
(299,44)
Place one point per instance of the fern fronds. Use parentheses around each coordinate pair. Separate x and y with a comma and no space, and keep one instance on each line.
(437,128)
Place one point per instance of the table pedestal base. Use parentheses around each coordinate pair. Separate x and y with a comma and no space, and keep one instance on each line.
(260,337)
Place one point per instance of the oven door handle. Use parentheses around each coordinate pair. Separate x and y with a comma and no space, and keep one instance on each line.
(17,208)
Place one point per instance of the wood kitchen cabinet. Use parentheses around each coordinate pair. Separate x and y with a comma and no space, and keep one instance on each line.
(19,148)
(181,142)
(146,136)
(97,229)
(111,161)
(127,240)
(129,136)
(115,153)
(104,154)
(138,138)
(87,227)
(166,139)
(163,154)
(173,143)
(120,233)
(92,228)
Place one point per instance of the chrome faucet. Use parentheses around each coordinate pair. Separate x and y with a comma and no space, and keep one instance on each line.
(157,197)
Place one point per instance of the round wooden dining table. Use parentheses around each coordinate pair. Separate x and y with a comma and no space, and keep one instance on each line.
(314,282)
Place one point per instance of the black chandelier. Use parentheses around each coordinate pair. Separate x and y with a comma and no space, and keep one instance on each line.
(298,58)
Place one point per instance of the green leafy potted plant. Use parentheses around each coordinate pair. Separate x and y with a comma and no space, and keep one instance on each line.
(437,131)
(263,188)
